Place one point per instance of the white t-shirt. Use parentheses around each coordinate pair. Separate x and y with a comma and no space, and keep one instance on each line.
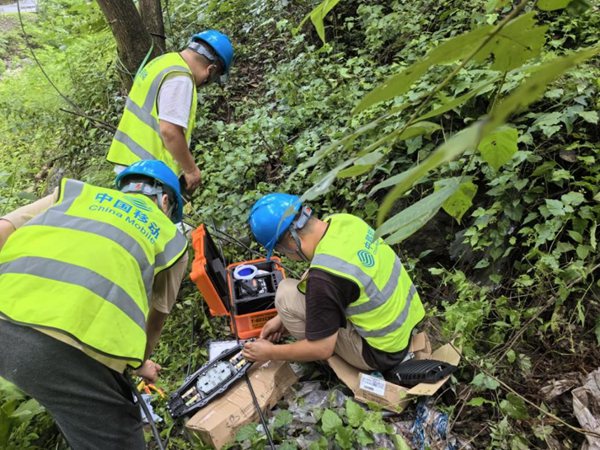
(174,101)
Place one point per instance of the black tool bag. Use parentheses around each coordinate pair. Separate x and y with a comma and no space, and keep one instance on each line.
(415,371)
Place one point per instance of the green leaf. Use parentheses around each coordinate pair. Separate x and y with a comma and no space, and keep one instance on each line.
(499,147)
(551,5)
(482,264)
(589,116)
(411,219)
(520,40)
(465,139)
(363,438)
(400,442)
(514,406)
(577,237)
(460,201)
(572,198)
(449,51)
(361,165)
(317,15)
(26,410)
(534,87)
(330,421)
(451,104)
(482,381)
(582,251)
(246,433)
(374,423)
(511,356)
(555,207)
(478,401)
(354,413)
(549,123)
(343,437)
(283,418)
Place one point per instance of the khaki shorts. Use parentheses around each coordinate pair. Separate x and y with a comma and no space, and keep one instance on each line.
(291,307)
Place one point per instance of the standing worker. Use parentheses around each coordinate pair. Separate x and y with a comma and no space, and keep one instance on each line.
(86,287)
(357,301)
(160,112)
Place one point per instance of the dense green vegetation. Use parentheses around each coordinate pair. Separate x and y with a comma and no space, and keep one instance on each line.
(508,259)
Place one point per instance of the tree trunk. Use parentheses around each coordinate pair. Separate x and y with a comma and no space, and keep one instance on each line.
(152,18)
(133,40)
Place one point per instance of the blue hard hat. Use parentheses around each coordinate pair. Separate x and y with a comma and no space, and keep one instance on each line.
(271,216)
(160,172)
(220,44)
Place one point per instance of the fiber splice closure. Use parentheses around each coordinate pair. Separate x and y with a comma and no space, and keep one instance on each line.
(208,382)
(236,290)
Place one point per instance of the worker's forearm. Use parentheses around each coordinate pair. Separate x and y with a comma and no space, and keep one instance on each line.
(154,326)
(300,351)
(176,144)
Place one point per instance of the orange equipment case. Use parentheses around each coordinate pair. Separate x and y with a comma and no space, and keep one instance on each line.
(251,307)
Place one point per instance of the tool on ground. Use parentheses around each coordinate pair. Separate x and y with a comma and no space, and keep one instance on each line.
(144,407)
(148,387)
(412,372)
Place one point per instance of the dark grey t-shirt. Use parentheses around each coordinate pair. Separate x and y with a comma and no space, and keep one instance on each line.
(327,297)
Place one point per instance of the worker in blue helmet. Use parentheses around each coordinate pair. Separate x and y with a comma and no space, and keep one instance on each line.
(88,276)
(160,112)
(356,300)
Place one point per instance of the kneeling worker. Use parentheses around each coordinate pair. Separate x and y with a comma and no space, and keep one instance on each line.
(86,286)
(357,300)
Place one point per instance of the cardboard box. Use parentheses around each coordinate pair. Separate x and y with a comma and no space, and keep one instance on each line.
(217,422)
(390,396)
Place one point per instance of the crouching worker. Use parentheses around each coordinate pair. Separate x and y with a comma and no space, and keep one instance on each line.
(86,285)
(357,300)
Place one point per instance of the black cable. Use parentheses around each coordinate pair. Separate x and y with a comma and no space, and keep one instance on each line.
(78,110)
(263,421)
(143,405)
(233,240)
(67,99)
(189,367)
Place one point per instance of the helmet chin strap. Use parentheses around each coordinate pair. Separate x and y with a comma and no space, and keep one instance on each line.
(298,224)
(299,251)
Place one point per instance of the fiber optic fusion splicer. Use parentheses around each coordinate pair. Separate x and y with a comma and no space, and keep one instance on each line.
(248,301)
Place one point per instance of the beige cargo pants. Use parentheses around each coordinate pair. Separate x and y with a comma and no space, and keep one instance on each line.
(291,306)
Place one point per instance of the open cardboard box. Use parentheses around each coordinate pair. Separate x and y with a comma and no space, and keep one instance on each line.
(217,423)
(390,396)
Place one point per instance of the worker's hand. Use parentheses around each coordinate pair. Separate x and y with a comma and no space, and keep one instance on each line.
(148,371)
(259,350)
(272,330)
(192,179)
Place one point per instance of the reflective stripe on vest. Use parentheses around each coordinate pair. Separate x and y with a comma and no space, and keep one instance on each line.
(62,269)
(138,135)
(69,273)
(339,253)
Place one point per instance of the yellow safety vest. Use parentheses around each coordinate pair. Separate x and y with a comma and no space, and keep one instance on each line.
(388,306)
(85,267)
(138,135)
